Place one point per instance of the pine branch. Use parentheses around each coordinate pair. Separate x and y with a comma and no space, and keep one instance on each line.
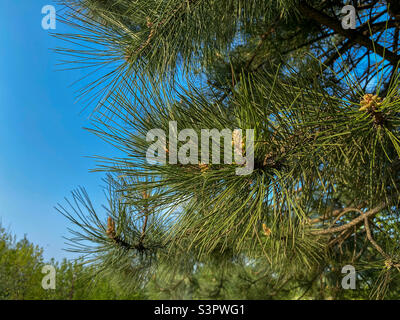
(120,242)
(336,214)
(354,222)
(358,37)
(371,239)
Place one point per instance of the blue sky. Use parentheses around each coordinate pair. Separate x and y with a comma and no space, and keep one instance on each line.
(44,148)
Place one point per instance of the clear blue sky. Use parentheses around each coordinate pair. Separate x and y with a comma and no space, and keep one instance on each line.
(43,148)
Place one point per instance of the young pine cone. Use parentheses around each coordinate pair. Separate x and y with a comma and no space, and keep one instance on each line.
(110,228)
(370,102)
(266,230)
(203,167)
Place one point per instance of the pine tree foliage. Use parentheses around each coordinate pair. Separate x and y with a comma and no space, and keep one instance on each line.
(324,105)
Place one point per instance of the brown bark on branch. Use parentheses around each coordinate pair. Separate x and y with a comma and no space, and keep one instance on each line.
(354,222)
